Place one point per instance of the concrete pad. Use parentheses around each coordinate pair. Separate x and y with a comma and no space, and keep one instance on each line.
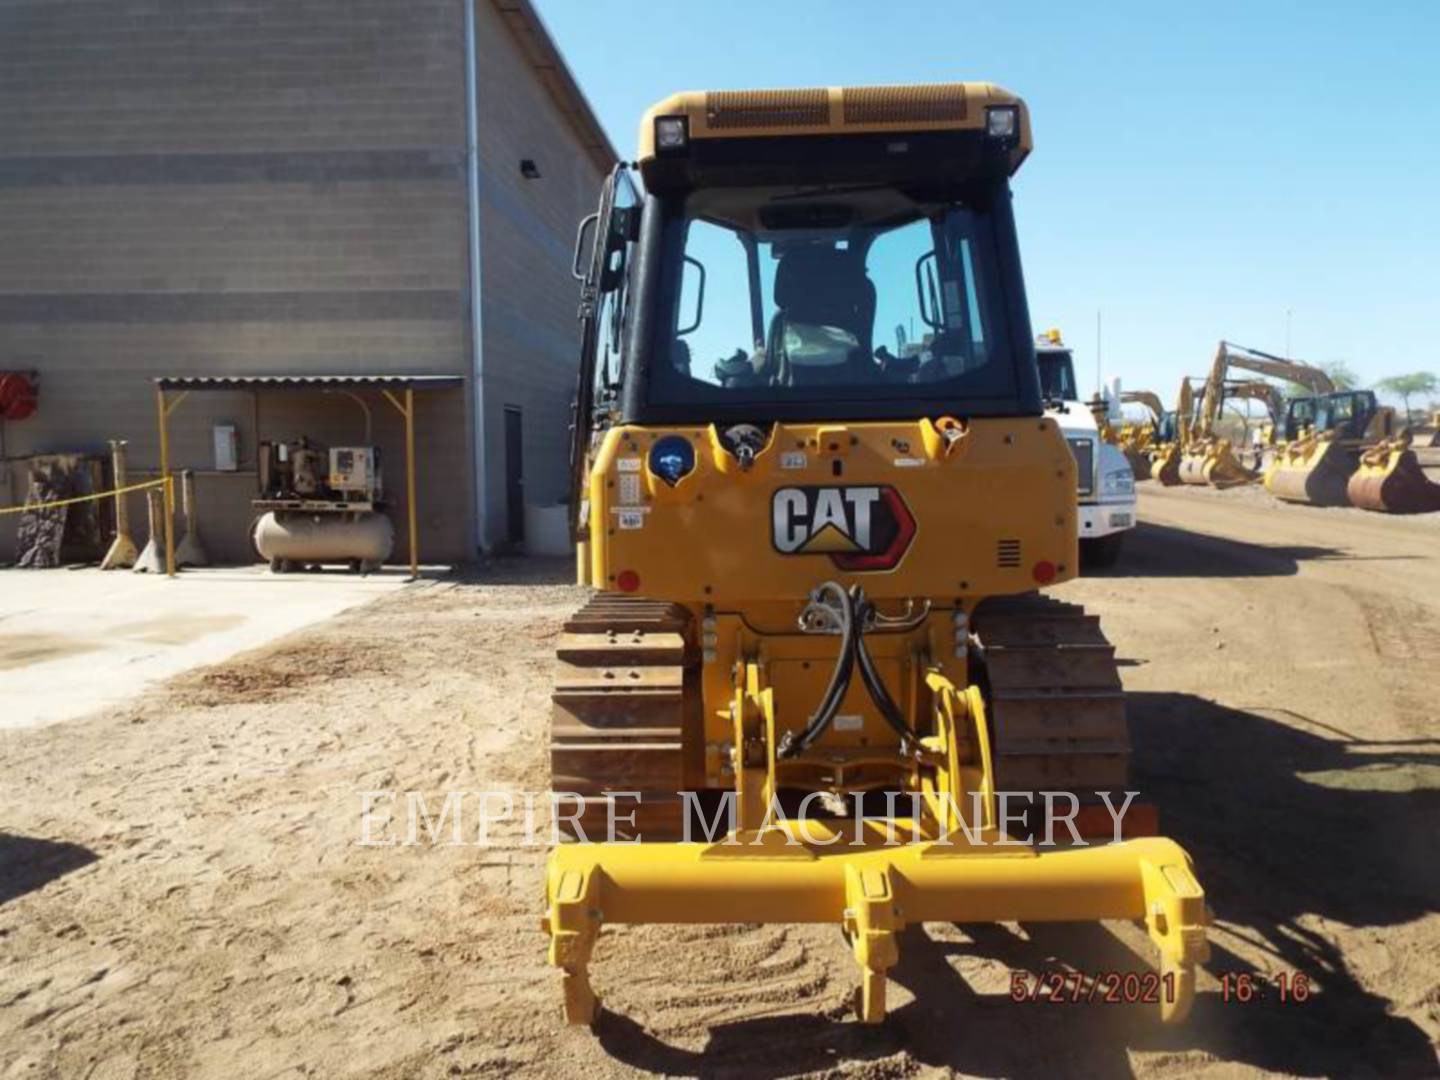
(73,641)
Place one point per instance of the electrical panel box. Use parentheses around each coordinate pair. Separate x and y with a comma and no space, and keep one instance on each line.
(353,469)
(227,448)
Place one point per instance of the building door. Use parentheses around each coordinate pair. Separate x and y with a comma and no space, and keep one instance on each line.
(514,476)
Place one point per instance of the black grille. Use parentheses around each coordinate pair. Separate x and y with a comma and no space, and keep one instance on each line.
(1007,554)
(1084,451)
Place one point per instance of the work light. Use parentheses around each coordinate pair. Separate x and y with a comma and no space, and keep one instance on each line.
(1002,121)
(671,133)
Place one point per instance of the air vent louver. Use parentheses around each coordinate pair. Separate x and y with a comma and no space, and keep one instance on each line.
(766,108)
(904,104)
(1007,554)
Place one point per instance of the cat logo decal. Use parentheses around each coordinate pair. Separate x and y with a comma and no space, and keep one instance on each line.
(860,528)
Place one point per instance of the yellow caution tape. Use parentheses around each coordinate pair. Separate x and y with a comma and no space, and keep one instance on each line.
(83,498)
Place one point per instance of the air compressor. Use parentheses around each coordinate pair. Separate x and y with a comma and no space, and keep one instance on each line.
(319,506)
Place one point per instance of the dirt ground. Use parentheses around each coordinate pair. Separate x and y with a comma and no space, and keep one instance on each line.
(181,890)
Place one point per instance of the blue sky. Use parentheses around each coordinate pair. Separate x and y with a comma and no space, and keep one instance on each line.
(1198,169)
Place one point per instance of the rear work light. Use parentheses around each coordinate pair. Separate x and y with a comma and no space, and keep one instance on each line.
(672,134)
(1003,122)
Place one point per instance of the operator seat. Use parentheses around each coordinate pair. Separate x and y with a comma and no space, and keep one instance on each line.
(824,320)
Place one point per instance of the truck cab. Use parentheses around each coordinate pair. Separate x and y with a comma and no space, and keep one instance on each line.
(1105,483)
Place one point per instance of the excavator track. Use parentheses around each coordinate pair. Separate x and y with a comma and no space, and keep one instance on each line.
(619,717)
(1057,707)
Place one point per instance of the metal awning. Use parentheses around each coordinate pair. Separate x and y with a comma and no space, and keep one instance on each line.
(399,390)
(309,382)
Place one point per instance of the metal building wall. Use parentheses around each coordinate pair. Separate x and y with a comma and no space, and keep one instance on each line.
(531,342)
(258,186)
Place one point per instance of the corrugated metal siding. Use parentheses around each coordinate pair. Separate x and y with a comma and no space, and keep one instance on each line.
(530,331)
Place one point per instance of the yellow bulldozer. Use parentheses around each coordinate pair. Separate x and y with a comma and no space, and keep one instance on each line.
(817,681)
(1210,459)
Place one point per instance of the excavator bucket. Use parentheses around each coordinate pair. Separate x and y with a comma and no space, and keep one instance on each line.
(1165,466)
(1213,462)
(1139,463)
(1312,470)
(1391,481)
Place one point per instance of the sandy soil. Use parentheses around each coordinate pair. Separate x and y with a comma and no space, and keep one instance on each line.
(181,892)
(76,640)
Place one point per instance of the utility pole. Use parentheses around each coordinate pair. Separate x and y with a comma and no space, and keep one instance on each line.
(1287,334)
(1099,381)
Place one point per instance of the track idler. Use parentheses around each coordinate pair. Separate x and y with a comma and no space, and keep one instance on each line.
(1390,480)
(1314,471)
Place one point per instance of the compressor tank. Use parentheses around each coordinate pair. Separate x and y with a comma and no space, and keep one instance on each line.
(364,538)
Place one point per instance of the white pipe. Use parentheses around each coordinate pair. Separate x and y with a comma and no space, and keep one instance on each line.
(477,343)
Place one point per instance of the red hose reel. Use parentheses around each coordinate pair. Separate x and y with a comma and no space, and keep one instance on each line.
(18,396)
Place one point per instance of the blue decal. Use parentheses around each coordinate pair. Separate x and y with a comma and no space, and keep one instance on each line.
(671,458)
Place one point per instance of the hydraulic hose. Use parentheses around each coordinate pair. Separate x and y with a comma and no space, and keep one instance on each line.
(874,684)
(851,611)
(839,684)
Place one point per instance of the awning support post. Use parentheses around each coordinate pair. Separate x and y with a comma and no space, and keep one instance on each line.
(407,410)
(164,409)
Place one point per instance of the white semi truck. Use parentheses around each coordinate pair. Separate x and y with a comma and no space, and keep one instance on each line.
(1106,485)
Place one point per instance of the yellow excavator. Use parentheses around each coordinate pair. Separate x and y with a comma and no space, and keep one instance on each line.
(1135,438)
(1210,459)
(817,681)
(1256,455)
(1324,439)
(1172,435)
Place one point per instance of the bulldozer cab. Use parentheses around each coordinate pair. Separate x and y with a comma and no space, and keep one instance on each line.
(802,287)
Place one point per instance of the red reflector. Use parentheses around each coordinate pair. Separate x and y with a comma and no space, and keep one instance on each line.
(627,581)
(1043,572)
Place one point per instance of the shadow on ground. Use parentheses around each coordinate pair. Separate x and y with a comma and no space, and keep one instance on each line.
(28,863)
(1303,824)
(1162,551)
